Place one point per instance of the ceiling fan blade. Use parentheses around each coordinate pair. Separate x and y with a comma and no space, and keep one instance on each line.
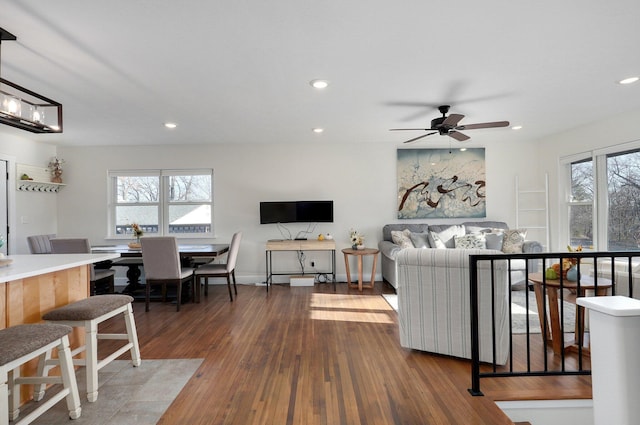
(458,136)
(420,137)
(452,120)
(483,125)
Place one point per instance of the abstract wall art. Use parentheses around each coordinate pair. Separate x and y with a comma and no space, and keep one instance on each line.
(441,183)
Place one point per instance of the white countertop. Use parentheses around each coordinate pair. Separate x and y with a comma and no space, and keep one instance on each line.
(24,266)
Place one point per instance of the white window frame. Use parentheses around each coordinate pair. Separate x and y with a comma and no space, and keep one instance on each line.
(569,202)
(163,203)
(600,201)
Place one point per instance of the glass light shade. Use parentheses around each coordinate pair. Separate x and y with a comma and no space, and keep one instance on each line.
(36,114)
(11,105)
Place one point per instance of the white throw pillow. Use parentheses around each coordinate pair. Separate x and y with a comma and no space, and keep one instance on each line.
(444,238)
(435,241)
(513,241)
(470,241)
(402,238)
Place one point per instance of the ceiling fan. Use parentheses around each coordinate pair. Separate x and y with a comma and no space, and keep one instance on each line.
(448,126)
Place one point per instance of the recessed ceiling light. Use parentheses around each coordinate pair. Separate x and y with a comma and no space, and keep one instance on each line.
(170,125)
(463,149)
(516,127)
(629,80)
(318,130)
(319,84)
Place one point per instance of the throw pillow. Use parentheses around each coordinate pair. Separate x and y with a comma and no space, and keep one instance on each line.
(445,236)
(402,238)
(494,240)
(470,241)
(513,241)
(419,240)
(435,241)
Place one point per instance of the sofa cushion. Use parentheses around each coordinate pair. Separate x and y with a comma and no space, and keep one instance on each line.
(420,240)
(485,226)
(412,227)
(513,241)
(402,238)
(470,241)
(441,236)
(494,240)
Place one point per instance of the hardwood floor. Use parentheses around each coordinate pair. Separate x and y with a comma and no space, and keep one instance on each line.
(307,355)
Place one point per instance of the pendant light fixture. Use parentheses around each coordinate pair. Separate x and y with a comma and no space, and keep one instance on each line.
(25,109)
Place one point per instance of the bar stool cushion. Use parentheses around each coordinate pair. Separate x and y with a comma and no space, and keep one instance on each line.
(20,340)
(88,308)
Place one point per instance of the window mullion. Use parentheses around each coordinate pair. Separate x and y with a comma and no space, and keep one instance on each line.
(164,203)
(601,207)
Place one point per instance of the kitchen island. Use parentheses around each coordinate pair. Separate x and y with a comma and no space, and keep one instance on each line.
(31,285)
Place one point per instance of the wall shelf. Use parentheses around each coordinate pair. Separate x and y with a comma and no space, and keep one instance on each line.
(39,179)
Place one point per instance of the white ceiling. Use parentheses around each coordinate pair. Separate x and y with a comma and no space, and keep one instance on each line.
(237,71)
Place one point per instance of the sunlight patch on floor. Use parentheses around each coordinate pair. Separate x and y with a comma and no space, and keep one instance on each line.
(516,309)
(350,308)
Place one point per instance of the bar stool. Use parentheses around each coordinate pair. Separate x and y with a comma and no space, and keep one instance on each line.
(88,314)
(22,343)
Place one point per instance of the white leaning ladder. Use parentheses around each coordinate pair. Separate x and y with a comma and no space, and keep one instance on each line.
(532,209)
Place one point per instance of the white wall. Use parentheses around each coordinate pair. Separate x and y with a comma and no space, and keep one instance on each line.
(359,178)
(33,213)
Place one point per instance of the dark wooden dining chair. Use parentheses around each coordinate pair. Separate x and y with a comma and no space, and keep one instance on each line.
(161,262)
(102,281)
(227,269)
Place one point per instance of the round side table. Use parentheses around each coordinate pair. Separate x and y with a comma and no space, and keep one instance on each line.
(359,253)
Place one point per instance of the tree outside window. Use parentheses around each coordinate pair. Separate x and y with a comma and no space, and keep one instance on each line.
(162,202)
(620,193)
(581,204)
(623,182)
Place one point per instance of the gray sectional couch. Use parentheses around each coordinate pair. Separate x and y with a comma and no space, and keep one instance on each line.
(434,303)
(431,276)
(421,235)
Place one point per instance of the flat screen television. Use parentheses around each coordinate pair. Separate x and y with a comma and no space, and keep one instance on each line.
(296,212)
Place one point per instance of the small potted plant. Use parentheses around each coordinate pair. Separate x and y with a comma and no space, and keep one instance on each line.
(357,240)
(55,168)
(137,233)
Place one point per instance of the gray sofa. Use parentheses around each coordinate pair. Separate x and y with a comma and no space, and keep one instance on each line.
(389,250)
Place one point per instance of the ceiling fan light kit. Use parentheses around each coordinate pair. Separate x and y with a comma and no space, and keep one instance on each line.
(448,126)
(24,109)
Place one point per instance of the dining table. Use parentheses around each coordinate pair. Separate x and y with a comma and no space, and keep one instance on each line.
(132,259)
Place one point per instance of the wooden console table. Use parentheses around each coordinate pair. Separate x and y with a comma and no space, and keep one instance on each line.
(298,245)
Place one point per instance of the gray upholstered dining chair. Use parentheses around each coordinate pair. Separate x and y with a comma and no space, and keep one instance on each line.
(101,280)
(161,262)
(227,269)
(40,244)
